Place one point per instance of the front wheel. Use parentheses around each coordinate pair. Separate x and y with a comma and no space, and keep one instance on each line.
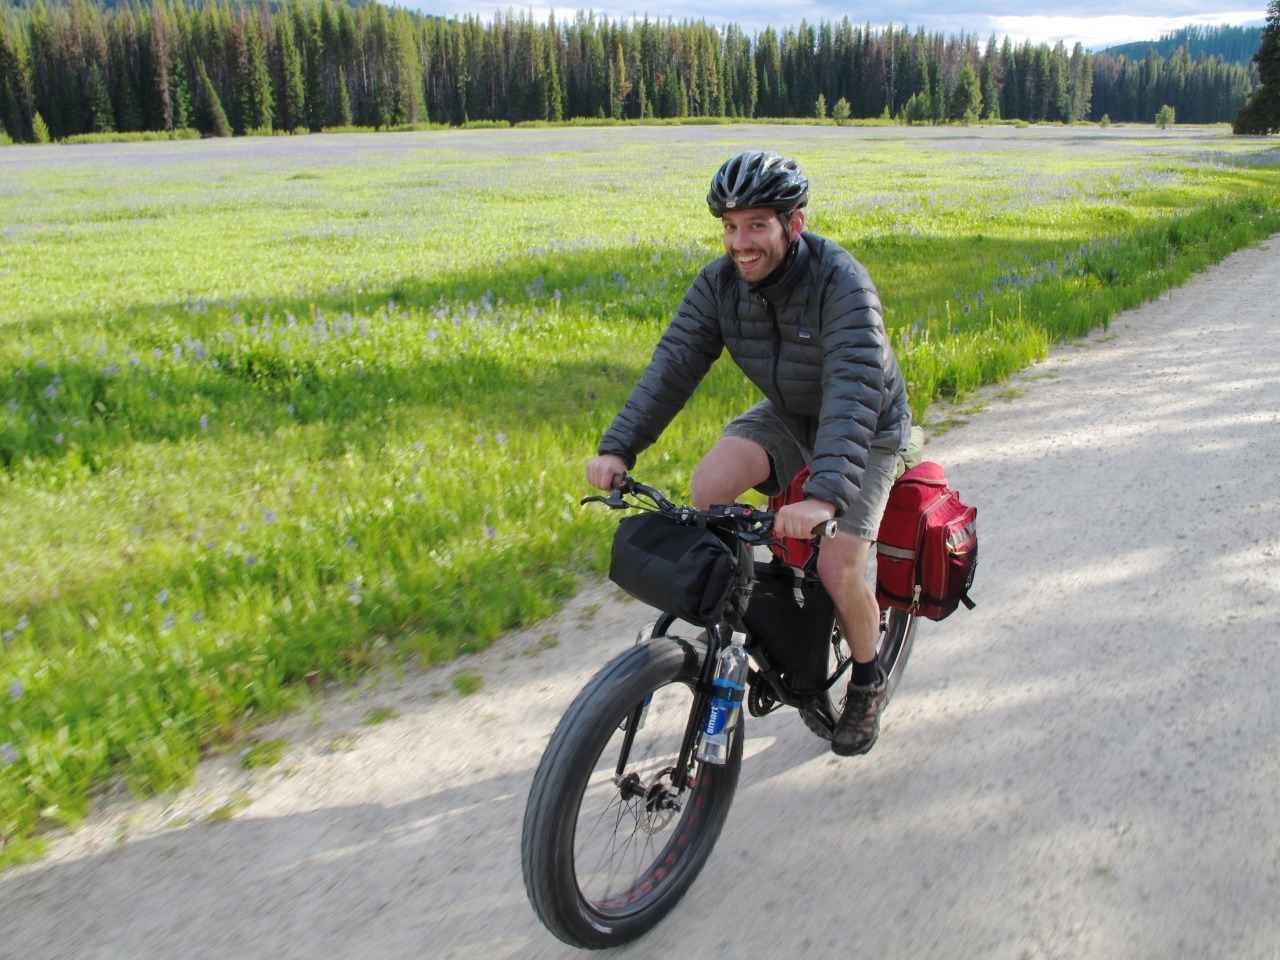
(611,842)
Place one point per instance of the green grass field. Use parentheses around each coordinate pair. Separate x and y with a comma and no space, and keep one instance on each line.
(278,411)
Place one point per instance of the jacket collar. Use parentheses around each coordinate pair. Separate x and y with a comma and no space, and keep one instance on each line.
(779,284)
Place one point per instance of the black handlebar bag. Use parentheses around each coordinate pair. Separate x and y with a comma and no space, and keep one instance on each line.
(684,570)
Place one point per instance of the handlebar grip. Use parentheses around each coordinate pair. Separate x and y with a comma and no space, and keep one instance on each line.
(825,530)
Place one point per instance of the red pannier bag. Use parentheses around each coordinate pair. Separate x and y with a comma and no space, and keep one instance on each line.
(791,550)
(927,547)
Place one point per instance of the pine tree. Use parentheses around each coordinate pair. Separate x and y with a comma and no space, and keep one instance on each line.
(316,103)
(180,95)
(966,98)
(15,88)
(344,100)
(990,82)
(551,69)
(160,53)
(1261,115)
(251,97)
(210,117)
(104,120)
(291,108)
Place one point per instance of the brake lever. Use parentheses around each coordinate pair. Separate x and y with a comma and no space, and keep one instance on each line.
(614,501)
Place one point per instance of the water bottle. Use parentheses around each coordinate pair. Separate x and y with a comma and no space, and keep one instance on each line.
(726,702)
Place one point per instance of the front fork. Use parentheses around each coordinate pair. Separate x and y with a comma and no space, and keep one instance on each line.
(717,637)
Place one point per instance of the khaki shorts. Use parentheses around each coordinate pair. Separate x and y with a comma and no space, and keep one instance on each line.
(787,457)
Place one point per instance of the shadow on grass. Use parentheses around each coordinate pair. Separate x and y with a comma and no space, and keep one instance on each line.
(258,386)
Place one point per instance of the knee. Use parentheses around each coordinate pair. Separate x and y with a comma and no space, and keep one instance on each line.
(705,487)
(842,571)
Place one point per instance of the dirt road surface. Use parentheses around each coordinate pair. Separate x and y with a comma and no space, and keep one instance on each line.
(1085,766)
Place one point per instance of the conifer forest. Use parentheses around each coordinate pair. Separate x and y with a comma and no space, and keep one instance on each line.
(228,68)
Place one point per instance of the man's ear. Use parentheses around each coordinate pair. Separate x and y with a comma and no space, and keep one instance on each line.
(796,225)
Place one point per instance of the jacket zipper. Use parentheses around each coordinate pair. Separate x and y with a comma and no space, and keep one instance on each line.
(777,343)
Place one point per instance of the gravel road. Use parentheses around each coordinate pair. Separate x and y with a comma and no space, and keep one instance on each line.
(1085,766)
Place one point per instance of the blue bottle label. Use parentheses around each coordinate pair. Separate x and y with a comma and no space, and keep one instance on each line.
(715,718)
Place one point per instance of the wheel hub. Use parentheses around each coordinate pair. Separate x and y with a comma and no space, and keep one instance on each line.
(658,804)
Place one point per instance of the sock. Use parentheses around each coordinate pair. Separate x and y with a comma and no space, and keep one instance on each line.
(865,674)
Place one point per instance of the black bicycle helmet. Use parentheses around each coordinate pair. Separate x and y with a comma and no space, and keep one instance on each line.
(758,179)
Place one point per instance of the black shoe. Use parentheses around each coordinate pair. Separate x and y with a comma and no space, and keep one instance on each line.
(859,722)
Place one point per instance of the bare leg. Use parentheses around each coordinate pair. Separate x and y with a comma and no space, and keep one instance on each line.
(731,468)
(842,566)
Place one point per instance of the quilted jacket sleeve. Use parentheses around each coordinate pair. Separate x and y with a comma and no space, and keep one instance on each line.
(682,358)
(854,347)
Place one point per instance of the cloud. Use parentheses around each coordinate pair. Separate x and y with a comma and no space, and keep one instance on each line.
(1093,23)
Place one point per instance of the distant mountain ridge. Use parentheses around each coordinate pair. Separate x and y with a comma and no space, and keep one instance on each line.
(1231,44)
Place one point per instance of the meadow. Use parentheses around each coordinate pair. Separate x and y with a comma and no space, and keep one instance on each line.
(278,412)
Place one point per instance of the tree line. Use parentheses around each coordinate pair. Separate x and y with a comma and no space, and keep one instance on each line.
(224,68)
(1234,44)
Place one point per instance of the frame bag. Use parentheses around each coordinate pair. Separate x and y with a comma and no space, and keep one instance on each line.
(681,569)
(927,547)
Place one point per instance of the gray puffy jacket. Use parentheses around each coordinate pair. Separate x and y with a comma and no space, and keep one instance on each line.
(813,341)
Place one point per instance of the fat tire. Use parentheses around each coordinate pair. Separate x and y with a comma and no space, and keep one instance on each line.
(561,780)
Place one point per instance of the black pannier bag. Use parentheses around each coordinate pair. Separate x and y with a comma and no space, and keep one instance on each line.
(790,608)
(687,571)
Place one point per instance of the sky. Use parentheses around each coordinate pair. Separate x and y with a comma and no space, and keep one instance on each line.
(1095,23)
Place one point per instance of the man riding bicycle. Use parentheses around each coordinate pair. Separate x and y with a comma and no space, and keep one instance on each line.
(802,319)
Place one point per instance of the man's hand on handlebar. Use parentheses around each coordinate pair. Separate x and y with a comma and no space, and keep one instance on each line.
(803,520)
(605,472)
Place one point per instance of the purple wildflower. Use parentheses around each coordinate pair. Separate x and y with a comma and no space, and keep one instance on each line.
(8,753)
(50,391)
(16,691)
(204,421)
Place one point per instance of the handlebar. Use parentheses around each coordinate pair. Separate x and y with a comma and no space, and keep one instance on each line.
(739,516)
